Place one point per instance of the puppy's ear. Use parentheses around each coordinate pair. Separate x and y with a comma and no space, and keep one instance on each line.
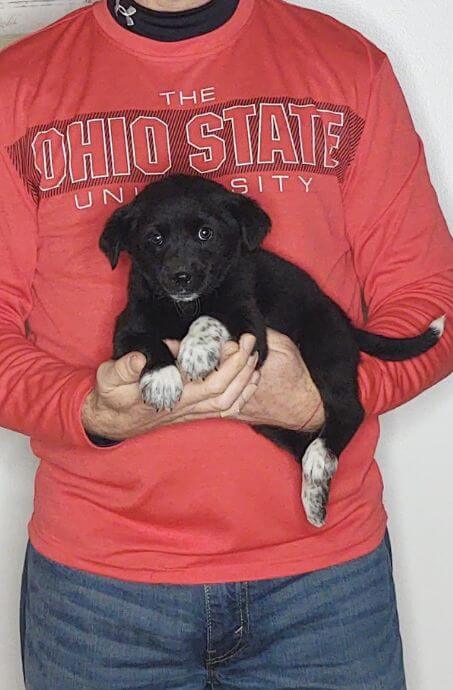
(253,221)
(114,237)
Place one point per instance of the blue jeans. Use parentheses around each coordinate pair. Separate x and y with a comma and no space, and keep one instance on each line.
(333,629)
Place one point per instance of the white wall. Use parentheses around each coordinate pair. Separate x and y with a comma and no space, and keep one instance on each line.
(415,453)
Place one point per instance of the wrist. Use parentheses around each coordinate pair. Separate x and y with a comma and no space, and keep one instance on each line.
(310,407)
(97,420)
(101,441)
(88,413)
(314,420)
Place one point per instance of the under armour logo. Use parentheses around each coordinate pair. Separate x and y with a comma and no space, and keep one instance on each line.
(119,9)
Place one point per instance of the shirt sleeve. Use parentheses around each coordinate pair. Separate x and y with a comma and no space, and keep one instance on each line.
(40,396)
(401,247)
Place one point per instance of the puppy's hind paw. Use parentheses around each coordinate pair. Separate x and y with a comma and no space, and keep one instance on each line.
(161,388)
(319,465)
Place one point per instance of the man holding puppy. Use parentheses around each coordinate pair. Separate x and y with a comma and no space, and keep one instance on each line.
(170,549)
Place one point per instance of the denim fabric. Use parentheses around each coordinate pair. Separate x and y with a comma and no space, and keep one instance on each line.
(333,629)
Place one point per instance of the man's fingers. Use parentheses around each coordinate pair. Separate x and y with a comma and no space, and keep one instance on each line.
(247,342)
(173,346)
(229,405)
(121,371)
(236,388)
(202,394)
(246,395)
(218,381)
(228,349)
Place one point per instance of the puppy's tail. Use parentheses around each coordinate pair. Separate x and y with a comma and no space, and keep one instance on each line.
(396,349)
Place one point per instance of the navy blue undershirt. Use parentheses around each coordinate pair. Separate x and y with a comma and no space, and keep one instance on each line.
(172,26)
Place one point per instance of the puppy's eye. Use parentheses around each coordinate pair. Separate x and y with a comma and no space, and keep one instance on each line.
(156,238)
(205,233)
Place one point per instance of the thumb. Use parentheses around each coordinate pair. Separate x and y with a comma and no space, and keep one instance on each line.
(173,346)
(121,371)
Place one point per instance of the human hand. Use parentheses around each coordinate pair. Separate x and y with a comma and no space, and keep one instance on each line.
(286,396)
(114,409)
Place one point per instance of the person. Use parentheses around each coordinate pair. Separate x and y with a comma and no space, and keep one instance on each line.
(170,549)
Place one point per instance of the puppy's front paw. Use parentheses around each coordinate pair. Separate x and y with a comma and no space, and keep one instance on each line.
(319,465)
(199,353)
(161,388)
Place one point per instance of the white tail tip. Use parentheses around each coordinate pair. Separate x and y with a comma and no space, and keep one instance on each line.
(438,326)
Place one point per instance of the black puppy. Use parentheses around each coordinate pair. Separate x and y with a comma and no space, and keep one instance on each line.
(195,252)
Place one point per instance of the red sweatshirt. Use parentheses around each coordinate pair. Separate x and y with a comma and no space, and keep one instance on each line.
(286,105)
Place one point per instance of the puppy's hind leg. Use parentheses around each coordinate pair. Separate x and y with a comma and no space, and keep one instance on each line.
(199,353)
(332,357)
(318,467)
(320,460)
(319,464)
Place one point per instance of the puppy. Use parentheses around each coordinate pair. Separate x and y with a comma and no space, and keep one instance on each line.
(198,274)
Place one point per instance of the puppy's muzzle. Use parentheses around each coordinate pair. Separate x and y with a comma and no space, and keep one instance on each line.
(182,279)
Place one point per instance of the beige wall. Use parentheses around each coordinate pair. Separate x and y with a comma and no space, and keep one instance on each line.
(4,40)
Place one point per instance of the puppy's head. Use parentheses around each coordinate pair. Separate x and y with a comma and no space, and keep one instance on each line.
(183,233)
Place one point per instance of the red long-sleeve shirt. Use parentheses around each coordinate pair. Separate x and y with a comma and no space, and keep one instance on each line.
(286,105)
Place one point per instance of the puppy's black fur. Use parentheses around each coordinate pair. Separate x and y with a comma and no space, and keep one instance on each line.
(195,251)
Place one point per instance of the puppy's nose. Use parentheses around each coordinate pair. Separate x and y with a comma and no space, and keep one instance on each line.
(181,278)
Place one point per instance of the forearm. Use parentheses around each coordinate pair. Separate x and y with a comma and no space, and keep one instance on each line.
(385,385)
(41,396)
